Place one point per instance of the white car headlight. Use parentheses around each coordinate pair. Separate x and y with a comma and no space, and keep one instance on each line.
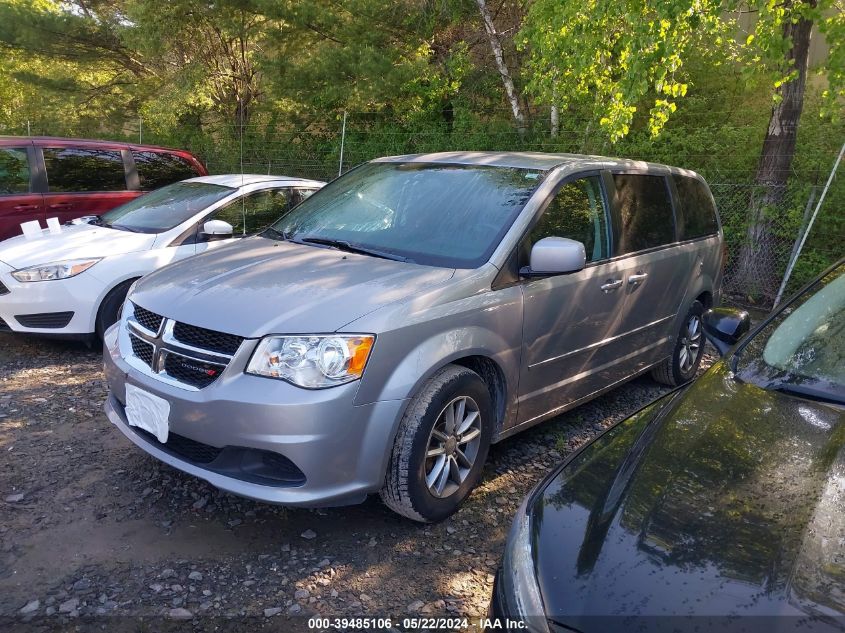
(312,361)
(55,270)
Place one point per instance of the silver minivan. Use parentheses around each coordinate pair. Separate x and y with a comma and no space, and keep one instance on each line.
(381,335)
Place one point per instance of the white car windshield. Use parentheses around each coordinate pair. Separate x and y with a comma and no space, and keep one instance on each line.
(165,208)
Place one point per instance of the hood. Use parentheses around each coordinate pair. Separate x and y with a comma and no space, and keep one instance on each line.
(258,286)
(724,499)
(74,242)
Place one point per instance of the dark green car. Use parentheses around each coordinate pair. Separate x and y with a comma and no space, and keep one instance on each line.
(722,505)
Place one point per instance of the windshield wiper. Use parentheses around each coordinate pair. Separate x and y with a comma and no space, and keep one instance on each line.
(804,391)
(123,227)
(343,245)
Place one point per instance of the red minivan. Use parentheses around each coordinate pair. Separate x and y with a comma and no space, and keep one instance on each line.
(43,177)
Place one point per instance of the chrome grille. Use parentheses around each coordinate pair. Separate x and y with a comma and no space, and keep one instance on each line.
(183,355)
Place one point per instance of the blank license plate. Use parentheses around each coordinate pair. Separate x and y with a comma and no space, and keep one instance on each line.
(147,411)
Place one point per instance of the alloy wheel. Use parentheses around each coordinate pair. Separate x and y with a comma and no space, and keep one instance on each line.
(452,446)
(690,344)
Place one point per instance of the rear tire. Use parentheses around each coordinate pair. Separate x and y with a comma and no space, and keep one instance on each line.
(686,356)
(441,446)
(110,308)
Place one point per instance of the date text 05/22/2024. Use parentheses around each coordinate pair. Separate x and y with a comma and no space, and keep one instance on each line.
(414,624)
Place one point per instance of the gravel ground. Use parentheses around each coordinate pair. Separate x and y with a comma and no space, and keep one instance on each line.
(92,527)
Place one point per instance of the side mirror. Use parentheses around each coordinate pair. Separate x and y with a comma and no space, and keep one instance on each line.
(555,256)
(724,327)
(85,219)
(214,230)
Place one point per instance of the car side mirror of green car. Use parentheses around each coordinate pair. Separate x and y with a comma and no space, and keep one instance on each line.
(724,327)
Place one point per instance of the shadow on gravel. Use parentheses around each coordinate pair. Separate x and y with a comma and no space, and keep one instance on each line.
(102,529)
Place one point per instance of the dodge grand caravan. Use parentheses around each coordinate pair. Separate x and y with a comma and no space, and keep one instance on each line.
(380,336)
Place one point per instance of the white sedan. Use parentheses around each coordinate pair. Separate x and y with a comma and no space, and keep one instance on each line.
(72,282)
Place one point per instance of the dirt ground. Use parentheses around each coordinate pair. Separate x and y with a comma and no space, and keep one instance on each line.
(94,532)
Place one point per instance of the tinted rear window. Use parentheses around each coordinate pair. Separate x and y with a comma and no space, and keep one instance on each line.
(697,210)
(71,169)
(647,219)
(156,169)
(14,171)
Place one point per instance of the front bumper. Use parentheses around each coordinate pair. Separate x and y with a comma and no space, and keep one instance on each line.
(341,449)
(79,295)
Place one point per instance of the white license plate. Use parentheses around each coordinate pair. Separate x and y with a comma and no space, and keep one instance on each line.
(148,412)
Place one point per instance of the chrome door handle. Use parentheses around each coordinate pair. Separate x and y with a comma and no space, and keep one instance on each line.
(611,285)
(636,279)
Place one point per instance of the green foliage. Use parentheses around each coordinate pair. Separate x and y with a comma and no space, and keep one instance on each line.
(593,53)
(618,62)
(264,83)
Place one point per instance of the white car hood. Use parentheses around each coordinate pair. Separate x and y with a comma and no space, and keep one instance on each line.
(74,242)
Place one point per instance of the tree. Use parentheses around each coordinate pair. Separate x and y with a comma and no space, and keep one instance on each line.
(496,46)
(614,63)
(611,61)
(171,58)
(63,66)
(375,56)
(758,252)
(206,50)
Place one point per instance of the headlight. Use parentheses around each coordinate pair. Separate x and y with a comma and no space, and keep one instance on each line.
(519,578)
(312,361)
(56,270)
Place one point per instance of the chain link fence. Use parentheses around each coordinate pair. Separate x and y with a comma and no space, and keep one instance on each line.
(753,275)
(754,268)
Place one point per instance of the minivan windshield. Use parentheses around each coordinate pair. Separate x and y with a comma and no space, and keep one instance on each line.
(165,208)
(802,350)
(429,213)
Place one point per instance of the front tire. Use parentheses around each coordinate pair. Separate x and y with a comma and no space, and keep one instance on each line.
(441,446)
(682,366)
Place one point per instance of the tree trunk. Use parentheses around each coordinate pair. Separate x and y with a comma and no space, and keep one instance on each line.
(759,270)
(554,121)
(496,45)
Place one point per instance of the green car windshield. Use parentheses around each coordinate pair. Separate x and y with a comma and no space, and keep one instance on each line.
(802,350)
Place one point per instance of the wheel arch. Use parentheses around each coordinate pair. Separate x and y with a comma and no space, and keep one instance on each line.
(493,376)
(482,350)
(706,299)
(127,281)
